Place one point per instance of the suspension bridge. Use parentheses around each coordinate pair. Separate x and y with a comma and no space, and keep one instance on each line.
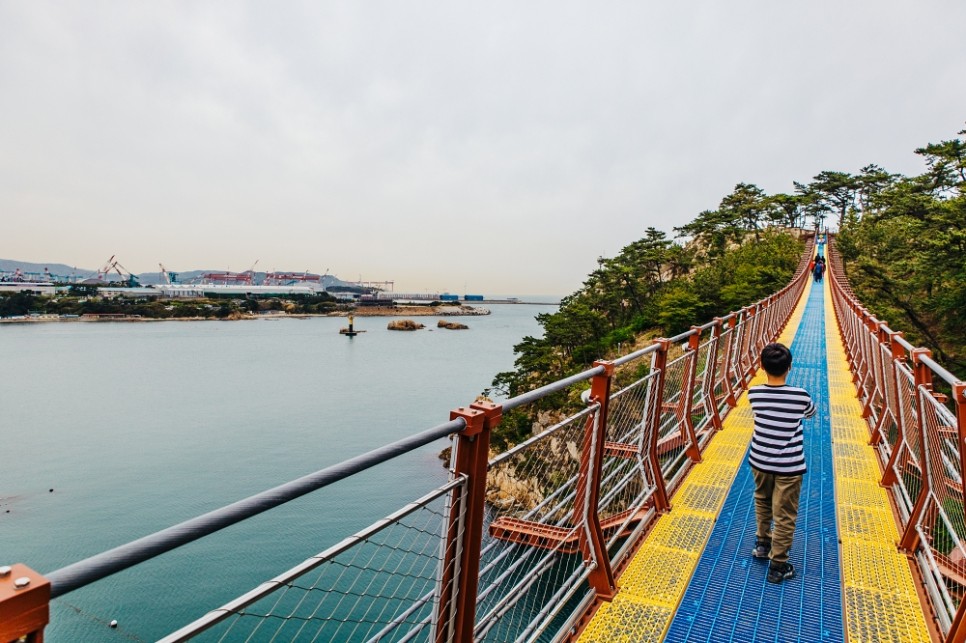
(632,517)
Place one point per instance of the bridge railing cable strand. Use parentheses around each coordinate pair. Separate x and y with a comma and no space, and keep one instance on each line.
(916,412)
(518,546)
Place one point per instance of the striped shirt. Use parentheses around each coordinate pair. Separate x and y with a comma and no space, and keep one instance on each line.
(777,444)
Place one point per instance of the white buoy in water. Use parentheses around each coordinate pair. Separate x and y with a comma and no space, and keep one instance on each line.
(114,623)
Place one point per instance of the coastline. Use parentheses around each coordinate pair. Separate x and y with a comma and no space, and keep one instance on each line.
(397,311)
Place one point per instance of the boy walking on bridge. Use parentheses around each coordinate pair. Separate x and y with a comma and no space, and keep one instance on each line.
(777,459)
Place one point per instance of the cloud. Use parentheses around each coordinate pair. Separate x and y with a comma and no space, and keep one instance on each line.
(500,145)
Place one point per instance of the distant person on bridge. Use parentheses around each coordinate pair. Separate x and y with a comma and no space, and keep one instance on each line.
(819,270)
(777,459)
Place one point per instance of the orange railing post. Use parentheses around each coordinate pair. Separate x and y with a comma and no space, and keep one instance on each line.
(711,374)
(591,536)
(24,604)
(659,364)
(456,615)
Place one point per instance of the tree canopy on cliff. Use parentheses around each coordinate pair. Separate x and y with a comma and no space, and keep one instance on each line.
(904,247)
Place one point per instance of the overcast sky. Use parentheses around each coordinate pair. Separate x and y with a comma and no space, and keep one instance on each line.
(496,147)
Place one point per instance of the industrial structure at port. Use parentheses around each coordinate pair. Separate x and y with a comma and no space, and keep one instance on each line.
(114,280)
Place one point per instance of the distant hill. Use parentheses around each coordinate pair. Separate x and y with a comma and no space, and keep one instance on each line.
(36,270)
(63,272)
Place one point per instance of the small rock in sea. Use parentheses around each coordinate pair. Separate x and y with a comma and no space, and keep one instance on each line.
(451,325)
(404,324)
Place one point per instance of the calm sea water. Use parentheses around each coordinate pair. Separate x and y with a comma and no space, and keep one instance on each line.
(137,427)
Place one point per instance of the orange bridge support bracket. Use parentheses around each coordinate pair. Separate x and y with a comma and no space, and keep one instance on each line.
(24,604)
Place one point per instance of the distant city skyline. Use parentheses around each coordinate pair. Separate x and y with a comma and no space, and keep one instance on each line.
(495,148)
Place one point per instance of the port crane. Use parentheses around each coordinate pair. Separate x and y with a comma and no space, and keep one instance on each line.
(167,277)
(126,275)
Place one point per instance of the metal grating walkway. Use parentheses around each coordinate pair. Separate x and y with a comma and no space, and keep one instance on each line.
(694,578)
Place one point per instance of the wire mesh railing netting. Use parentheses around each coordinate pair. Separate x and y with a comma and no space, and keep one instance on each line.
(672,437)
(723,380)
(908,466)
(628,478)
(379,585)
(703,402)
(530,546)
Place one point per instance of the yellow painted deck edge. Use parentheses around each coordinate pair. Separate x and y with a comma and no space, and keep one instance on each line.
(880,601)
(656,579)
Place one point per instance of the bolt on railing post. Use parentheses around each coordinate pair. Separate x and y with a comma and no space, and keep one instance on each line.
(957,630)
(923,380)
(456,616)
(24,604)
(658,364)
(591,535)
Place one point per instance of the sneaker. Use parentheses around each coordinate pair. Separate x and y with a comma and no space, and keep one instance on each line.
(762,547)
(779,572)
